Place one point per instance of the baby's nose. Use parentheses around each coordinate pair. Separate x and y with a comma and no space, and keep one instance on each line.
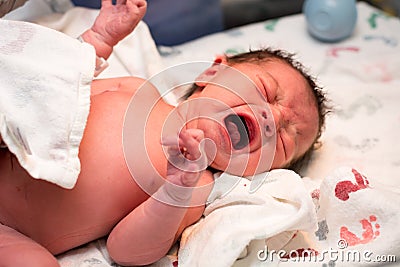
(266,121)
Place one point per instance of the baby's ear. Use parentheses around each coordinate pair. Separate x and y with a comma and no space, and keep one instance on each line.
(211,72)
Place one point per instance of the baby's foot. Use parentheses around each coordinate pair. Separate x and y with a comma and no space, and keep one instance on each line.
(113,24)
(368,234)
(344,188)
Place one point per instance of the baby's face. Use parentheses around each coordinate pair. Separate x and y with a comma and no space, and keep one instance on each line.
(290,112)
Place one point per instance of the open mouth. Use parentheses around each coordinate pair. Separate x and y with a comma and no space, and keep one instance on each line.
(239,130)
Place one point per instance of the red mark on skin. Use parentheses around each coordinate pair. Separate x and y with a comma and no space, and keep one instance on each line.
(367,236)
(175,264)
(334,52)
(344,188)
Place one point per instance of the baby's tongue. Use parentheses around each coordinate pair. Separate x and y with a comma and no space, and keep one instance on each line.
(233,133)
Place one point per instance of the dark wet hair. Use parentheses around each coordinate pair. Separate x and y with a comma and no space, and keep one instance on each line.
(266,54)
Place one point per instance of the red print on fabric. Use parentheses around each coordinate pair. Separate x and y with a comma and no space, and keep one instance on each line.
(344,188)
(334,52)
(382,70)
(315,194)
(368,234)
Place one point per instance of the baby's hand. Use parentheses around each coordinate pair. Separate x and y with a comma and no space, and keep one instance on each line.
(186,160)
(115,22)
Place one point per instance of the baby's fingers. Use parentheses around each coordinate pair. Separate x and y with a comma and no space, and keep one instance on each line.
(186,152)
(135,6)
(193,144)
(191,140)
(106,3)
(136,3)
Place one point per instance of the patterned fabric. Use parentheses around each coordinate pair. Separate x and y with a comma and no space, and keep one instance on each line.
(357,223)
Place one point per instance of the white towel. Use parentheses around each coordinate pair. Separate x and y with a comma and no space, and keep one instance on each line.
(45,79)
(239,224)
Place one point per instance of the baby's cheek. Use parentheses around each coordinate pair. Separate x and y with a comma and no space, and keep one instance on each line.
(279,158)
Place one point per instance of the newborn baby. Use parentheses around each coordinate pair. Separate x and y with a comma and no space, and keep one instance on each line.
(143,194)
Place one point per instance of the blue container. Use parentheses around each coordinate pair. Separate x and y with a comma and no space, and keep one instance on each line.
(330,20)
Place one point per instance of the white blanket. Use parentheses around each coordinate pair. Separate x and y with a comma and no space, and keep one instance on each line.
(357,223)
(45,79)
(270,213)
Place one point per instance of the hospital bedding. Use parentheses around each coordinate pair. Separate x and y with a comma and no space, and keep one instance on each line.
(353,179)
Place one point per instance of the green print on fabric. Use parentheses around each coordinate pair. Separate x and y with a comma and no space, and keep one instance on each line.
(271,24)
(386,40)
(372,20)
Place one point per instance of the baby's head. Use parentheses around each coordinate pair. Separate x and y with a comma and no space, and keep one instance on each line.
(297,104)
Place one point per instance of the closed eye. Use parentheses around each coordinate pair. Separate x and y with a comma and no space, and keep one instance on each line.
(271,97)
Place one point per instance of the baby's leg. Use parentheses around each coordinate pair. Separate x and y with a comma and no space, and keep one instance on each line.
(17,250)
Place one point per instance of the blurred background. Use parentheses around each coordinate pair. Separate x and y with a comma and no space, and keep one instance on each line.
(173,22)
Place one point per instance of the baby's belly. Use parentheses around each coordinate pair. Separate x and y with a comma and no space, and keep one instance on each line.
(61,219)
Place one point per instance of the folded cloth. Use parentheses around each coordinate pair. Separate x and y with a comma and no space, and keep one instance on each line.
(239,223)
(357,222)
(45,79)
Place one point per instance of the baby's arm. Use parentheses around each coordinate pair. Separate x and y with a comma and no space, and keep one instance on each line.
(113,24)
(148,232)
